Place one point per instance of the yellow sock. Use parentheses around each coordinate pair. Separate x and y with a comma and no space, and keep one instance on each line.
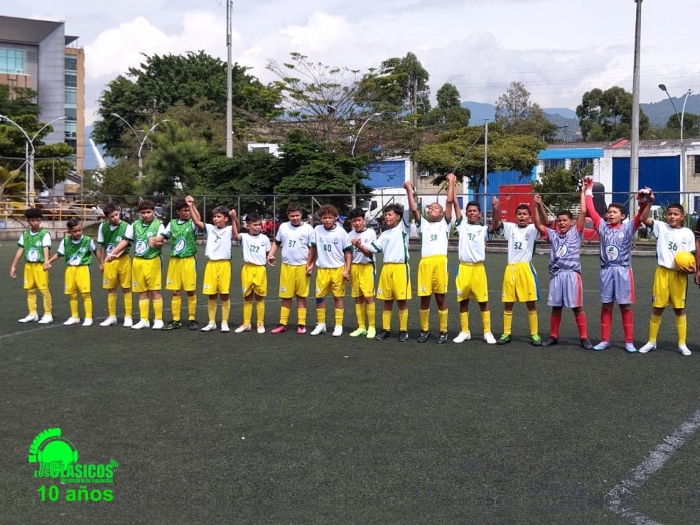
(128,304)
(681,328)
(247,312)
(31,301)
(321,314)
(87,304)
(211,309)
(403,320)
(486,320)
(158,309)
(371,314)
(360,314)
(424,316)
(225,310)
(654,325)
(176,306)
(112,304)
(339,316)
(260,311)
(386,319)
(442,319)
(73,301)
(532,321)
(284,315)
(48,304)
(301,316)
(463,321)
(143,309)
(191,307)
(507,321)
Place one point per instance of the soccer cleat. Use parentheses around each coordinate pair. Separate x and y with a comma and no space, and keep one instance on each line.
(30,318)
(535,340)
(586,343)
(489,338)
(87,322)
(301,329)
(403,336)
(281,328)
(141,324)
(371,332)
(504,340)
(358,332)
(109,321)
(320,329)
(442,338)
(210,326)
(423,336)
(630,349)
(224,327)
(128,322)
(384,334)
(245,327)
(651,345)
(684,350)
(338,331)
(173,325)
(463,336)
(192,325)
(550,342)
(261,328)
(46,319)
(158,324)
(71,321)
(603,345)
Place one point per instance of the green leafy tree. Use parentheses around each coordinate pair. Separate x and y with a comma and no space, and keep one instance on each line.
(691,125)
(16,101)
(607,115)
(518,116)
(449,113)
(558,187)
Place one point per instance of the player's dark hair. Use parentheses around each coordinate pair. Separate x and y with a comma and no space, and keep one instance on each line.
(181,204)
(109,208)
(293,206)
(72,223)
(253,216)
(566,213)
(33,213)
(147,205)
(396,208)
(677,206)
(619,206)
(355,213)
(473,203)
(327,209)
(524,206)
(223,210)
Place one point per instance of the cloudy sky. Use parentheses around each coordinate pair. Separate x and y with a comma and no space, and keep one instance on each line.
(557,48)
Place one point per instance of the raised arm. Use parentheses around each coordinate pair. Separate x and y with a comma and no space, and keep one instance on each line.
(408,186)
(644,209)
(581,219)
(537,216)
(588,192)
(495,214)
(234,226)
(194,213)
(451,197)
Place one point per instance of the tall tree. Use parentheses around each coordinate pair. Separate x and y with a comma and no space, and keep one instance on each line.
(691,125)
(449,113)
(607,115)
(516,114)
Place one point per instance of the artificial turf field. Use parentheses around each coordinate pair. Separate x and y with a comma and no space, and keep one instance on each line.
(287,429)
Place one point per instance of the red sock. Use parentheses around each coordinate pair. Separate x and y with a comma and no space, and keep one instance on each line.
(581,323)
(605,323)
(554,323)
(628,325)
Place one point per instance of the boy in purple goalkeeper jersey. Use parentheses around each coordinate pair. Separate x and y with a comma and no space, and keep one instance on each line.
(616,277)
(565,288)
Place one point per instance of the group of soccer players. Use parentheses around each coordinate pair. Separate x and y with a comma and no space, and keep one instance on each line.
(339,256)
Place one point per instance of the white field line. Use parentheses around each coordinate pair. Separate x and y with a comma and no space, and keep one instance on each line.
(615,500)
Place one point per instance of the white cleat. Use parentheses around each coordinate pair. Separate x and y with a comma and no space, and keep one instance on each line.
(224,327)
(320,329)
(651,345)
(30,318)
(211,326)
(141,324)
(158,324)
(261,328)
(243,328)
(87,322)
(46,319)
(71,321)
(489,338)
(462,336)
(109,321)
(684,350)
(128,322)
(338,331)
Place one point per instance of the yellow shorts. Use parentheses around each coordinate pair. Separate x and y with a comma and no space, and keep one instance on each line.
(330,280)
(394,282)
(471,282)
(77,279)
(182,274)
(117,273)
(520,283)
(35,277)
(432,275)
(146,274)
(670,287)
(254,279)
(217,277)
(294,281)
(362,280)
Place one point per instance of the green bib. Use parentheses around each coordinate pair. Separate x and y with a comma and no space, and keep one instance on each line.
(111,238)
(33,246)
(183,242)
(141,235)
(77,253)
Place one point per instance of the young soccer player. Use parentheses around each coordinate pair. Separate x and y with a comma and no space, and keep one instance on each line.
(432,268)
(146,265)
(520,278)
(34,244)
(78,250)
(565,288)
(362,274)
(294,238)
(616,277)
(471,279)
(217,272)
(332,252)
(255,246)
(115,273)
(182,267)
(670,281)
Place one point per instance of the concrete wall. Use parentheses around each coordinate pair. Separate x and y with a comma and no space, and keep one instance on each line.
(51,82)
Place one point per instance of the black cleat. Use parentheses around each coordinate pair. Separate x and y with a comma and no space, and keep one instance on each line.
(384,334)
(423,337)
(535,340)
(551,342)
(173,325)
(504,340)
(586,343)
(403,337)
(442,338)
(192,325)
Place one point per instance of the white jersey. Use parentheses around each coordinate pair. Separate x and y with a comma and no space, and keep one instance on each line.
(393,243)
(521,241)
(367,237)
(295,242)
(255,248)
(218,247)
(671,241)
(434,236)
(472,241)
(331,246)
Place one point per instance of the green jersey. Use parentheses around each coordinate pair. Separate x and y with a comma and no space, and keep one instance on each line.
(77,253)
(33,245)
(183,241)
(142,233)
(110,237)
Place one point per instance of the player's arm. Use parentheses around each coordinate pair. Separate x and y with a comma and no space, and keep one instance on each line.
(234,228)
(55,256)
(311,259)
(357,243)
(452,201)
(581,219)
(408,186)
(495,215)
(642,216)
(588,192)
(348,262)
(194,213)
(537,216)
(15,261)
(271,256)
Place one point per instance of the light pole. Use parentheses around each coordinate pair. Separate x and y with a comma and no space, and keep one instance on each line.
(140,140)
(662,87)
(29,158)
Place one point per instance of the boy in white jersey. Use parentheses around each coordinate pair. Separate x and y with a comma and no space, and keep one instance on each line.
(519,279)
(331,251)
(118,272)
(670,281)
(294,238)
(255,246)
(471,277)
(217,272)
(362,274)
(78,250)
